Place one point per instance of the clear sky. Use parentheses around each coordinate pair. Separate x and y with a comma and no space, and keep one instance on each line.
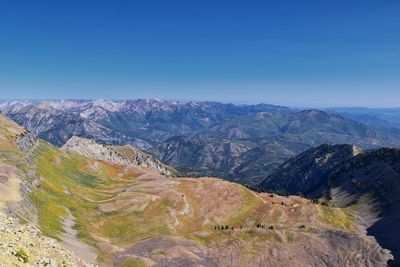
(315,53)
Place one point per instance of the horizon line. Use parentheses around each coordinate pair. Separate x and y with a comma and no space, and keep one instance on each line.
(185,101)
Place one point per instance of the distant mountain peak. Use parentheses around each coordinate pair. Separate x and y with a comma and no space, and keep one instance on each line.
(313,111)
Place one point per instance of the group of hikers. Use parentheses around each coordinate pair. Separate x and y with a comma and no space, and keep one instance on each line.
(227,227)
(271,227)
(259,225)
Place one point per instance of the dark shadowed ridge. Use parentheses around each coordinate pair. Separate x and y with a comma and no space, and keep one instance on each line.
(368,182)
(308,172)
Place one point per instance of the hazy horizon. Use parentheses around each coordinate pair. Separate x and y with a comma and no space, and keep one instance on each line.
(204,100)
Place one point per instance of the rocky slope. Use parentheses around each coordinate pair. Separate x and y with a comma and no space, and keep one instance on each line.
(367,182)
(124,155)
(132,215)
(23,245)
(21,241)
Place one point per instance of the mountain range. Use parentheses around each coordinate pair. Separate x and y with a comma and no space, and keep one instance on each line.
(241,143)
(142,123)
(115,206)
(371,116)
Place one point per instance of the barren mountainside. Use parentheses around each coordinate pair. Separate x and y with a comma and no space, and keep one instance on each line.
(24,245)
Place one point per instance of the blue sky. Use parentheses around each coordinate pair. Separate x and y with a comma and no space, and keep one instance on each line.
(298,53)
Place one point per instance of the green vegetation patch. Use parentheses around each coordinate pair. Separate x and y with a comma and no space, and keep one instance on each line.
(134,226)
(68,184)
(22,255)
(134,262)
(336,217)
(247,206)
(63,185)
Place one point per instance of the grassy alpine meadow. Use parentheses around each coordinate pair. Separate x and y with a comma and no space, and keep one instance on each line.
(70,182)
(109,201)
(63,185)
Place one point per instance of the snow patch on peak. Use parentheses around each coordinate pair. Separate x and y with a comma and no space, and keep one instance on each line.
(44,105)
(13,105)
(64,104)
(356,151)
(108,104)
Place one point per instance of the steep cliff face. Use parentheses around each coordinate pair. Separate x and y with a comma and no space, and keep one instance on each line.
(124,155)
(17,173)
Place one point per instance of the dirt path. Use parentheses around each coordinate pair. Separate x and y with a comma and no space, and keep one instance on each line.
(9,185)
(72,243)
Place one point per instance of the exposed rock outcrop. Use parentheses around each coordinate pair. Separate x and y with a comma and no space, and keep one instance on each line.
(23,245)
(26,141)
(123,155)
